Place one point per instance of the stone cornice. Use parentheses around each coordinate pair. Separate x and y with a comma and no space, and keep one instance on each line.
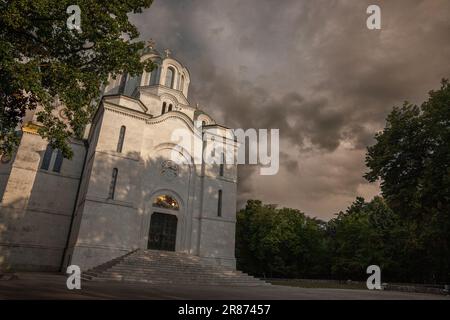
(110,106)
(105,98)
(162,90)
(173,114)
(32,128)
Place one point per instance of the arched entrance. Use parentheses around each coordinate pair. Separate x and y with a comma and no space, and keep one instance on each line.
(163,224)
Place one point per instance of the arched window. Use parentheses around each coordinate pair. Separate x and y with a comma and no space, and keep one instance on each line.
(112,186)
(163,108)
(154,76)
(48,156)
(166,202)
(170,107)
(123,82)
(121,139)
(170,75)
(219,203)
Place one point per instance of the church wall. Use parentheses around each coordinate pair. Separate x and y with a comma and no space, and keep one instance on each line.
(216,238)
(157,148)
(110,227)
(152,102)
(217,233)
(37,207)
(92,139)
(5,170)
(110,131)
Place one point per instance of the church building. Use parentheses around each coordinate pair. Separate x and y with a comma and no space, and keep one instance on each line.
(121,191)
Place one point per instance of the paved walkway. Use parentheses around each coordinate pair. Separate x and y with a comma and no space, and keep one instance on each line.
(53,286)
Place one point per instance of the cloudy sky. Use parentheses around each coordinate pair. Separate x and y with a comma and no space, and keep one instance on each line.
(312,69)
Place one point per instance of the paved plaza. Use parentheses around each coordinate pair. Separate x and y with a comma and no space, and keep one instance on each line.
(53,286)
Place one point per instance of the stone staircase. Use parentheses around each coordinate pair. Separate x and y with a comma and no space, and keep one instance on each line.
(164,267)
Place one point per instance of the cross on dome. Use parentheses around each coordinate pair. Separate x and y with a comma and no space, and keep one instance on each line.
(151,43)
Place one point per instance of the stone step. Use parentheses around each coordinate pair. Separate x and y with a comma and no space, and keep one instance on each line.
(179,279)
(176,281)
(186,283)
(159,261)
(169,275)
(172,276)
(161,267)
(179,268)
(172,267)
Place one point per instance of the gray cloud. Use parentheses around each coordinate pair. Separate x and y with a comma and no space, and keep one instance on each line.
(313,70)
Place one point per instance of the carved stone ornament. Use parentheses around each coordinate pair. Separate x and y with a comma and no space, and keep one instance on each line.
(169,169)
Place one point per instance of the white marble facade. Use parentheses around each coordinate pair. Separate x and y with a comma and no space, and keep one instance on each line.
(101,204)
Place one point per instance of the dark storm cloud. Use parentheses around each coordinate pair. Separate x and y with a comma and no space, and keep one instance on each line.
(245,174)
(313,70)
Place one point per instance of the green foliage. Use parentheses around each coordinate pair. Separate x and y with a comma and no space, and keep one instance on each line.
(365,234)
(406,232)
(279,242)
(42,61)
(411,157)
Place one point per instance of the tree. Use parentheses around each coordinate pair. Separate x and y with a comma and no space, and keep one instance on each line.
(279,242)
(411,157)
(366,233)
(42,61)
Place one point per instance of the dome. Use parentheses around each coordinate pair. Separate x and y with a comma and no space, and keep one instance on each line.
(168,72)
(169,79)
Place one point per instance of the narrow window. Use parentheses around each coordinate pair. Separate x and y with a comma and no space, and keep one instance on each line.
(112,187)
(222,165)
(123,81)
(47,158)
(170,107)
(219,203)
(169,77)
(163,108)
(121,139)
(58,161)
(154,76)
(213,141)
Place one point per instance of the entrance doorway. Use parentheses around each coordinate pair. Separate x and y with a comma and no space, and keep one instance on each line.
(163,232)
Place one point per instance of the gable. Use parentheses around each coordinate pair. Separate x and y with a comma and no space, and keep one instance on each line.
(126,102)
